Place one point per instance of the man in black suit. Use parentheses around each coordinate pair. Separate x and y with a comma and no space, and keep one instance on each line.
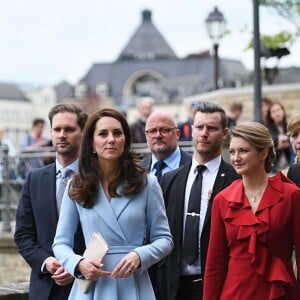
(38,209)
(162,137)
(178,277)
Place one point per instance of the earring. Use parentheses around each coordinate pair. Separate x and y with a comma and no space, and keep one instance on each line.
(94,151)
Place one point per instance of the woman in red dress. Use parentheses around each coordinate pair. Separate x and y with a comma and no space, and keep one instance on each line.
(255,226)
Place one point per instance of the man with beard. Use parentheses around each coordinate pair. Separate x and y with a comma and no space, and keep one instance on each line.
(162,137)
(180,274)
(39,206)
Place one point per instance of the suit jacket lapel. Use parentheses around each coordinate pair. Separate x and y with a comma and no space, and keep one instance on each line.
(219,184)
(48,179)
(176,199)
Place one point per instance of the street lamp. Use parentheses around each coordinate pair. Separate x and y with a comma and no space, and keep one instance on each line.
(215,24)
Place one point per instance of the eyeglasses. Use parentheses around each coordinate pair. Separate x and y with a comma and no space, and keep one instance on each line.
(162,131)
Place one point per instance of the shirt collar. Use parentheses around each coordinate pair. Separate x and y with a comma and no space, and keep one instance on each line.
(72,166)
(211,166)
(170,161)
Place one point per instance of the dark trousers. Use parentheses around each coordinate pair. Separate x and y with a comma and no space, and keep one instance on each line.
(190,287)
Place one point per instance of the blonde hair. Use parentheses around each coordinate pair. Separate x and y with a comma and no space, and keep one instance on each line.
(293,125)
(259,137)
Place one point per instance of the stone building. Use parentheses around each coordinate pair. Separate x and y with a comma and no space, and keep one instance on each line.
(148,66)
(15,111)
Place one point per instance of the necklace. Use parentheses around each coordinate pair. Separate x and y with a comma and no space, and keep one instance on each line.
(254,197)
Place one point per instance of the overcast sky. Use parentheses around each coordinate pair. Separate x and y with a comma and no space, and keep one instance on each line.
(45,41)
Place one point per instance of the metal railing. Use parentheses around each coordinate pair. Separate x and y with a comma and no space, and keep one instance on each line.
(12,174)
(13,171)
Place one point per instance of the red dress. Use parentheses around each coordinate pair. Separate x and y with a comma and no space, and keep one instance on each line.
(249,255)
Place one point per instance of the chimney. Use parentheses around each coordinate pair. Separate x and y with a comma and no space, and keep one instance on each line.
(146,14)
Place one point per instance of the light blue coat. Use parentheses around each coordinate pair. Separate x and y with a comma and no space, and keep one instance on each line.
(124,223)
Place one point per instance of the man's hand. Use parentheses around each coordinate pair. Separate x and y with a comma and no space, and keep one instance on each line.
(62,277)
(52,264)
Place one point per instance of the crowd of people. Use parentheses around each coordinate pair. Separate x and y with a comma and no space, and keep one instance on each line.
(178,225)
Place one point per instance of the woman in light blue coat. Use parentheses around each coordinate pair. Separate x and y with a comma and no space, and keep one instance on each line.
(112,194)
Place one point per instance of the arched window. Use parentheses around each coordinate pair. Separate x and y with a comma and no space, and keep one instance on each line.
(103,89)
(81,90)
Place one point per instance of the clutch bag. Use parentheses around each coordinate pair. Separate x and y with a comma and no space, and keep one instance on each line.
(97,248)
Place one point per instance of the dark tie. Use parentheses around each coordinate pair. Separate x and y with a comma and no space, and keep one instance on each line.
(159,166)
(191,232)
(65,175)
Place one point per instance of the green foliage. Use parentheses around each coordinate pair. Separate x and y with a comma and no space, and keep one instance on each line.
(289,10)
(279,40)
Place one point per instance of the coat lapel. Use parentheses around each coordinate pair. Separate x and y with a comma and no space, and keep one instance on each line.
(109,212)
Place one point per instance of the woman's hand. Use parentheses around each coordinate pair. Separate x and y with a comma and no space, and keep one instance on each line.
(91,269)
(127,265)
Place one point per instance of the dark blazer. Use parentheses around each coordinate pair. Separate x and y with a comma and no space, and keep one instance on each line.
(173,185)
(36,222)
(294,173)
(137,130)
(185,158)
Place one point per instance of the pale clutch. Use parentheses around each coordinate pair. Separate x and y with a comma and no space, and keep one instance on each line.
(97,248)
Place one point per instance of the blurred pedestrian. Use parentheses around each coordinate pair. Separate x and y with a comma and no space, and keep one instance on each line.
(5,141)
(277,125)
(186,127)
(234,113)
(137,129)
(265,109)
(32,144)
(11,152)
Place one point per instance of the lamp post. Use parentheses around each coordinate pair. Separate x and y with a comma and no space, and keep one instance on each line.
(257,70)
(215,24)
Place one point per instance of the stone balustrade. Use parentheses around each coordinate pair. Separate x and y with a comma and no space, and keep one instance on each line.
(14,271)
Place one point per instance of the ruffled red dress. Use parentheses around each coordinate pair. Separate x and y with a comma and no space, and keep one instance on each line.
(249,256)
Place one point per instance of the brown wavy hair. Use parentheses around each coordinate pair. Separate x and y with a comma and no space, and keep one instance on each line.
(131,175)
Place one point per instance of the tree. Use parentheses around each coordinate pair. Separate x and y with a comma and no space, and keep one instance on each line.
(288,9)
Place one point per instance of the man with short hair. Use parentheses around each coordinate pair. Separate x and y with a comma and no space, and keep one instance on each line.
(33,142)
(186,127)
(162,137)
(39,206)
(180,274)
(234,113)
(137,129)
